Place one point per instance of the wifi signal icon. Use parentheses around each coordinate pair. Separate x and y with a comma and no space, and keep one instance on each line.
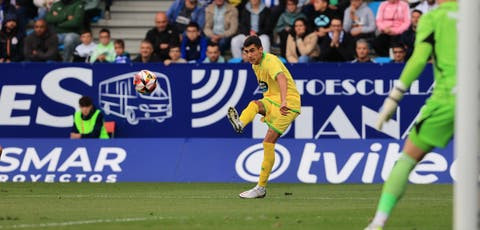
(207,100)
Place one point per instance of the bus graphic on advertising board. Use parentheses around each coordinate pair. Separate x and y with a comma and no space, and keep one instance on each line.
(117,96)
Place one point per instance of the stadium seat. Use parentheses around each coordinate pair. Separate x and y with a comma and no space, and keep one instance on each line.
(110,127)
(374,7)
(96,19)
(382,59)
(235,60)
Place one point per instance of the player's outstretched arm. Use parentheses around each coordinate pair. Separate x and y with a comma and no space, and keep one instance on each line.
(413,69)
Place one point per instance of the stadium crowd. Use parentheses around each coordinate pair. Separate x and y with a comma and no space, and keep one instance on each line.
(212,31)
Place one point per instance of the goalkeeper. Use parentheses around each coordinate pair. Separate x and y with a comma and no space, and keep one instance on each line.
(436,36)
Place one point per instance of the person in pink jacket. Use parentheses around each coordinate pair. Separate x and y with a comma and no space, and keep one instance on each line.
(393,18)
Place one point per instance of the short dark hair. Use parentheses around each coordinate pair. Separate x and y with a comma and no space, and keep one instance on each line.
(120,42)
(173,45)
(104,30)
(193,24)
(86,31)
(85,101)
(398,45)
(336,17)
(252,40)
(294,1)
(418,11)
(213,44)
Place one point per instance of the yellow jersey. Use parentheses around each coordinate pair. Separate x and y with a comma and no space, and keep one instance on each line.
(267,71)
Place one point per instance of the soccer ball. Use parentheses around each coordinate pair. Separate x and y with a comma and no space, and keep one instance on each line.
(145,82)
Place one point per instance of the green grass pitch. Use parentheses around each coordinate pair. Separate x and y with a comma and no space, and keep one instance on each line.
(215,206)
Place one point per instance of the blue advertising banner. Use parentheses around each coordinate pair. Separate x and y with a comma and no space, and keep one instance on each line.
(212,160)
(338,100)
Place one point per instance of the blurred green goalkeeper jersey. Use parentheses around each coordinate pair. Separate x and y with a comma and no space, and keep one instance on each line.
(436,36)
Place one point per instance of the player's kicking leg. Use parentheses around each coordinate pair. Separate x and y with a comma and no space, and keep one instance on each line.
(396,184)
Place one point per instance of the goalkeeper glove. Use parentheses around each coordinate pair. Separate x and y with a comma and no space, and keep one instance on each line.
(390,104)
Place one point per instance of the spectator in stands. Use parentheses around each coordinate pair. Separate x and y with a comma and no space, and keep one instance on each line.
(338,46)
(92,10)
(393,18)
(25,10)
(285,23)
(105,51)
(175,55)
(213,54)
(399,53)
(194,45)
(254,20)
(11,41)
(121,56)
(426,5)
(146,53)
(340,6)
(182,12)
(43,7)
(42,44)
(319,17)
(107,15)
(204,3)
(408,37)
(88,122)
(67,18)
(162,35)
(302,46)
(277,7)
(361,52)
(358,20)
(6,9)
(85,49)
(221,23)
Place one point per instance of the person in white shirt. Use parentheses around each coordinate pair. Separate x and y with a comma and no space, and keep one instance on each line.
(84,50)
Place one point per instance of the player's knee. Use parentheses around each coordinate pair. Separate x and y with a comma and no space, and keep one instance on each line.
(259,104)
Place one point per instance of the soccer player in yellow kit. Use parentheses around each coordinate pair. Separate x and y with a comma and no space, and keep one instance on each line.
(279,106)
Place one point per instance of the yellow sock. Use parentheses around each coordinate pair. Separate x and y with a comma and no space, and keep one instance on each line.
(267,164)
(249,113)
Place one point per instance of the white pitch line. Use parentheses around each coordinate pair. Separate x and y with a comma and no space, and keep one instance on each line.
(80,222)
(143,196)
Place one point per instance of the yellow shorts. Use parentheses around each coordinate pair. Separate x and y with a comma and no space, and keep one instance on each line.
(274,119)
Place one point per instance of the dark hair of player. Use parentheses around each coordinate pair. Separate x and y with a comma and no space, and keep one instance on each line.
(252,40)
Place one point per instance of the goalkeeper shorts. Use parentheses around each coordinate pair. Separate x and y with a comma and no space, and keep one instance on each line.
(274,119)
(434,127)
